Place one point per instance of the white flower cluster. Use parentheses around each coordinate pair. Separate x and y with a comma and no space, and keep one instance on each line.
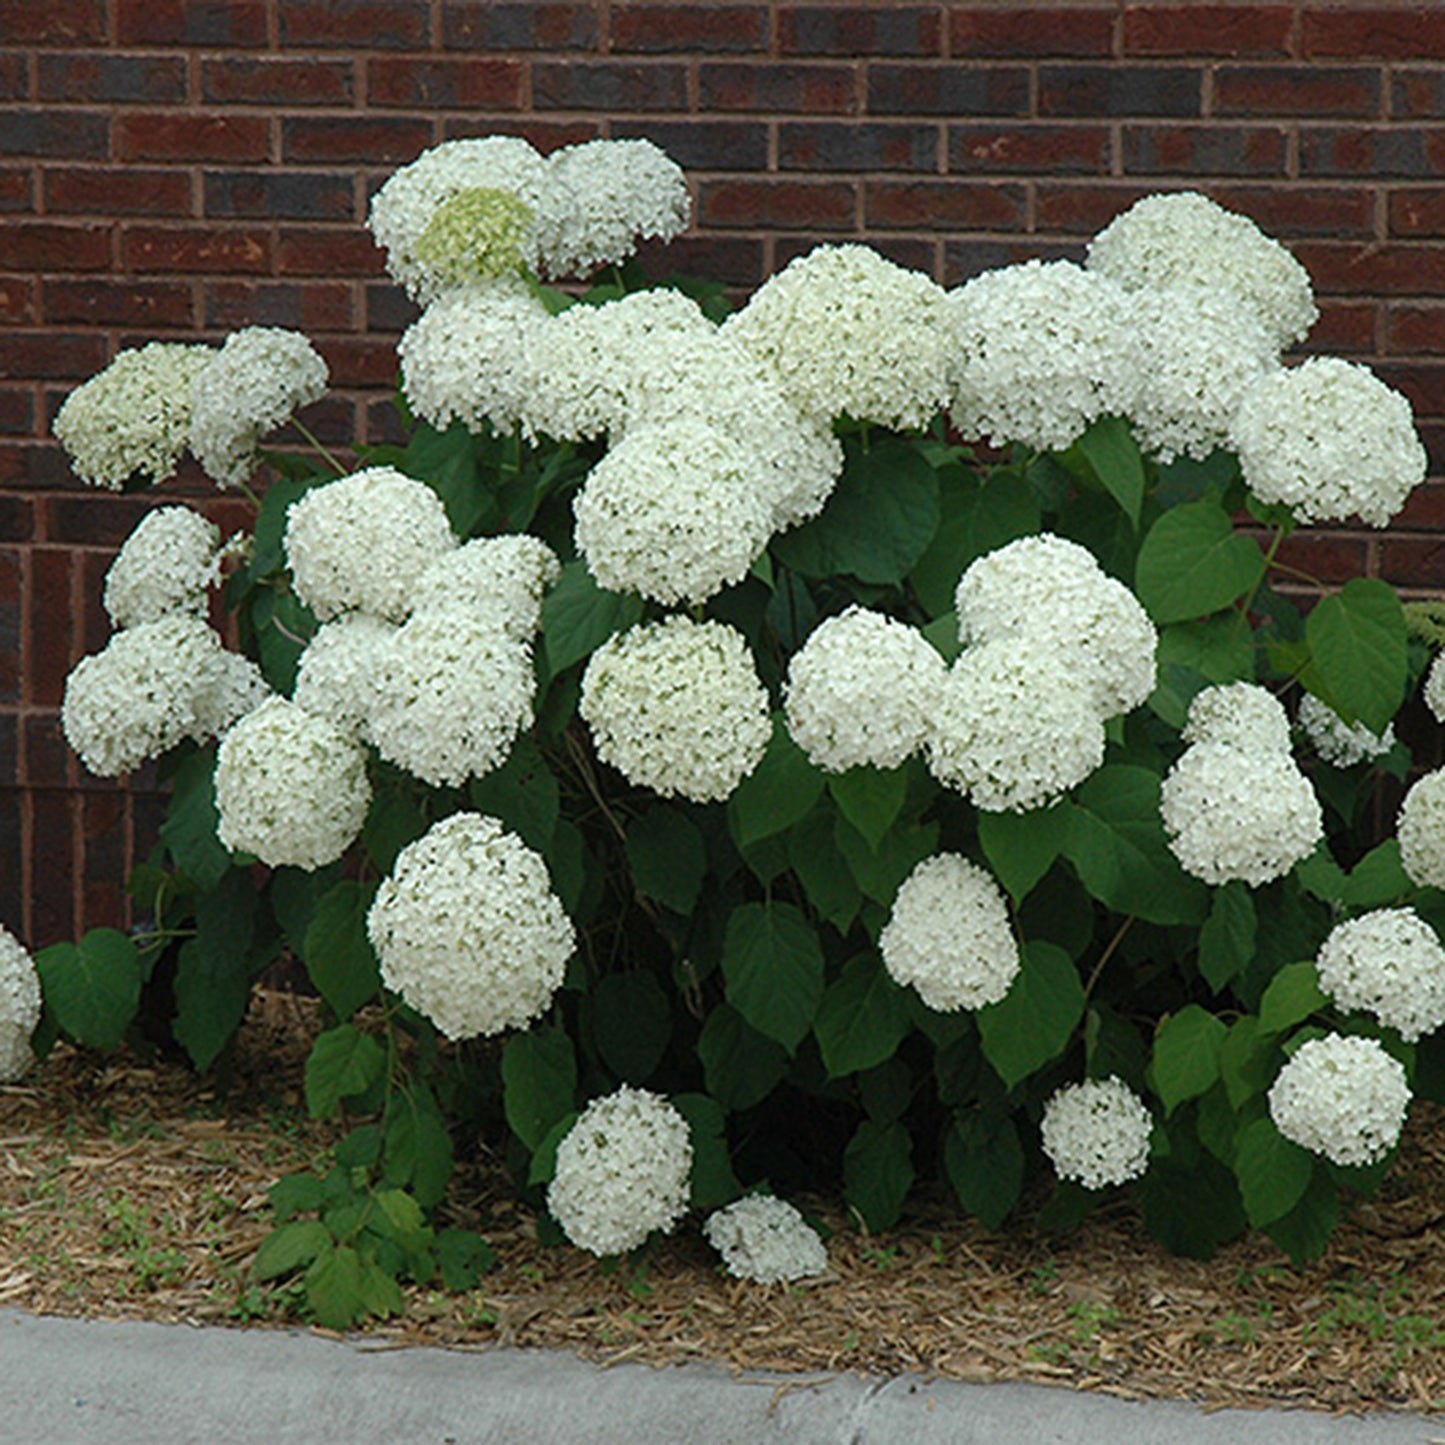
(134,417)
(623,1170)
(766,1240)
(504,576)
(1342,1097)
(1097,1133)
(948,935)
(677,706)
(167,564)
(1339,743)
(291,788)
(1234,805)
(1390,963)
(468,929)
(19,1007)
(258,381)
(1434,690)
(1420,829)
(337,674)
(1329,439)
(862,691)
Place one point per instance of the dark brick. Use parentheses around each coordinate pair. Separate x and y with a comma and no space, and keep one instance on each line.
(1414,562)
(545,135)
(1416,328)
(247,81)
(1343,326)
(117,191)
(663,28)
(52,22)
(153,78)
(1328,560)
(361,138)
(1424,509)
(1029,33)
(608,85)
(323,252)
(191,22)
(1418,94)
(838,146)
(86,519)
(948,90)
(52,647)
(204,249)
(69,133)
(1418,211)
(1081,209)
(1368,268)
(384,425)
(186,136)
(943,205)
(52,861)
(913,253)
(355,362)
(965,259)
(815,205)
(17,413)
(116,302)
(704,145)
(9,634)
(1297,90)
(1100,90)
(17,519)
(344,24)
(420,84)
(1383,151)
(389,308)
(286,195)
(1299,211)
(484,26)
(53,246)
(1199,30)
(1029,149)
(15,898)
(1421,381)
(1202,150)
(17,189)
(17,300)
(1391,32)
(14,76)
(862,30)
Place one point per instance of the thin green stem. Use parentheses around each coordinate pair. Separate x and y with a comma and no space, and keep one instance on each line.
(1109,950)
(319,446)
(1280,533)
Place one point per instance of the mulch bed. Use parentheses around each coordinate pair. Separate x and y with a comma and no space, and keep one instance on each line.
(132,1189)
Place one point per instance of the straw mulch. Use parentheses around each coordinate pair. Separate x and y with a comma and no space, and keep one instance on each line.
(132,1189)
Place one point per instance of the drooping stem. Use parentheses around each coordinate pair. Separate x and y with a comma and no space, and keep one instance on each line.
(1108,953)
(319,446)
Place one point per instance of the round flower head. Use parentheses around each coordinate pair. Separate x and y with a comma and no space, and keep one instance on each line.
(291,788)
(1434,689)
(623,1170)
(336,677)
(468,929)
(1329,439)
(1389,963)
(1342,1097)
(1016,728)
(19,1006)
(237,688)
(133,418)
(462,359)
(1339,743)
(850,333)
(676,511)
(257,382)
(1184,238)
(167,565)
(766,1240)
(364,541)
(1040,353)
(1097,1133)
(861,691)
(677,706)
(949,936)
(504,575)
(1240,715)
(1420,828)
(602,197)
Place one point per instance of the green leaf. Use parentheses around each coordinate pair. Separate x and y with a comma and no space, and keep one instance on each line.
(523,793)
(464,1257)
(1217,648)
(289,1248)
(1359,655)
(189,830)
(1245,1061)
(1320,875)
(539,1082)
(713,1180)
(985,1164)
(1186,1055)
(1190,1211)
(1021,847)
(1273,1173)
(294,893)
(447,463)
(267,554)
(394,819)
(862,1018)
(740,1065)
(773,967)
(1304,1232)
(1226,940)
(1192,562)
(878,1172)
(1033,1023)
(634,1023)
(418,1147)
(1293,994)
(544,1157)
(822,870)
(1108,454)
(870,799)
(282,624)
(578,616)
(1378,879)
(399,1216)
(338,952)
(214,970)
(880,871)
(294,1194)
(343,1062)
(777,793)
(92,987)
(668,857)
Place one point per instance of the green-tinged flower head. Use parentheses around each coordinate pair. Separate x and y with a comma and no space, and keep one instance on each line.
(479,233)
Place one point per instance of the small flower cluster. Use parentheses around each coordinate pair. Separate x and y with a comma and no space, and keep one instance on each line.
(1097,1133)
(1342,1097)
(168,564)
(1390,964)
(19,1007)
(766,1240)
(1339,743)
(1434,689)
(1420,829)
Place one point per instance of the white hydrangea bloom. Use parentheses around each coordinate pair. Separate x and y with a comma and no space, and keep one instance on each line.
(602,197)
(134,417)
(766,1240)
(336,677)
(948,935)
(623,1170)
(850,332)
(1339,743)
(257,382)
(168,564)
(507,575)
(1016,726)
(1388,962)
(1434,689)
(1242,715)
(861,691)
(463,358)
(1329,439)
(677,706)
(676,511)
(237,688)
(291,788)
(1342,1097)
(1041,353)
(142,694)
(1097,1133)
(468,929)
(1184,238)
(19,1007)
(364,542)
(1420,829)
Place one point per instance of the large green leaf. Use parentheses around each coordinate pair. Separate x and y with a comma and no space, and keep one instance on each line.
(447,462)
(878,1172)
(523,793)
(822,870)
(862,1017)
(985,1164)
(870,799)
(289,1248)
(773,967)
(394,819)
(1273,1173)
(713,1180)
(668,857)
(539,1082)
(880,871)
(1226,940)
(338,952)
(1021,847)
(1108,455)
(741,1065)
(1358,652)
(215,968)
(1293,994)
(92,987)
(418,1150)
(777,793)
(578,616)
(1192,562)
(343,1062)
(1304,1232)
(1033,1023)
(1186,1055)
(633,1019)
(189,830)
(1190,1210)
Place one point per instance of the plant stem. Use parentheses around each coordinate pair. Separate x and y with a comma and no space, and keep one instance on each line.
(319,446)
(1107,954)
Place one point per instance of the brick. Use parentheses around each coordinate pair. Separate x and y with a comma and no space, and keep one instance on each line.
(658,29)
(186,136)
(865,30)
(1199,30)
(9,636)
(310,306)
(323,252)
(704,145)
(1343,326)
(778,89)
(1417,94)
(485,26)
(192,22)
(488,84)
(361,138)
(607,85)
(17,189)
(85,519)
(17,300)
(1297,90)
(74,134)
(52,648)
(284,195)
(384,426)
(1029,148)
(388,25)
(116,302)
(1416,329)
(1303,211)
(116,191)
(1421,381)
(840,146)
(545,135)
(356,362)
(1202,150)
(965,259)
(1030,33)
(53,22)
(948,90)
(103,871)
(15,902)
(1099,90)
(911,252)
(943,205)
(1391,32)
(816,205)
(17,413)
(1414,562)
(17,519)
(1081,209)
(1417,211)
(388,308)
(52,861)
(54,246)
(1328,559)
(204,249)
(14,76)
(153,78)
(231,80)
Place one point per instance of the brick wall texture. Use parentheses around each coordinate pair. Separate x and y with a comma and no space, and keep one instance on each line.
(173,169)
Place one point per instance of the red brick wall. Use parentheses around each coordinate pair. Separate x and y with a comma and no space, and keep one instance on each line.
(177,168)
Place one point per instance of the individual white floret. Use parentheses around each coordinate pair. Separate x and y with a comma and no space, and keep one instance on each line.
(364,542)
(19,1006)
(1342,1097)
(623,1170)
(766,1240)
(1339,743)
(1242,715)
(1420,828)
(1388,962)
(256,383)
(468,930)
(948,935)
(291,788)
(1097,1133)
(507,575)
(677,706)
(1434,689)
(337,674)
(1184,238)
(168,564)
(133,418)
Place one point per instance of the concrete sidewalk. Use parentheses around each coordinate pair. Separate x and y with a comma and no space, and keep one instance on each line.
(72,1382)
